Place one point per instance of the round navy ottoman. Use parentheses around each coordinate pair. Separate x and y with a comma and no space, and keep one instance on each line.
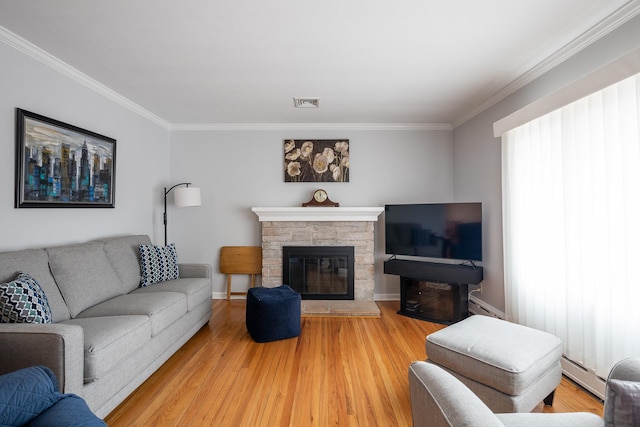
(273,313)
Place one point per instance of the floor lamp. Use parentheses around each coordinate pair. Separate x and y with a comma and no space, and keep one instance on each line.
(182,197)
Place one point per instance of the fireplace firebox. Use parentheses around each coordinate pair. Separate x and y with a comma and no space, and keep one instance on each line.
(319,272)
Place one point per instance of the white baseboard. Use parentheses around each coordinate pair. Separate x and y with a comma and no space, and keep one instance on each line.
(223,295)
(386,297)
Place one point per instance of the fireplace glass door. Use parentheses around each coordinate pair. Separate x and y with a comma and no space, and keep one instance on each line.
(319,272)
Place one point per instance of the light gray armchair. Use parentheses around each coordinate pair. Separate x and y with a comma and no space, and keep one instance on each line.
(440,399)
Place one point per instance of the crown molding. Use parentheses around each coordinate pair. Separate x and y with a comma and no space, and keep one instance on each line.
(623,14)
(613,21)
(615,71)
(33,51)
(311,126)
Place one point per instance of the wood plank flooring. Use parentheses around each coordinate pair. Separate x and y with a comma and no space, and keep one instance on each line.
(339,371)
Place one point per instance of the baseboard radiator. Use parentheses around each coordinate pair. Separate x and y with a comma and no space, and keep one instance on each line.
(586,378)
(477,306)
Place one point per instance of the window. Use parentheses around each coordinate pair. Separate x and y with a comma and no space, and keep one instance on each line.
(571,212)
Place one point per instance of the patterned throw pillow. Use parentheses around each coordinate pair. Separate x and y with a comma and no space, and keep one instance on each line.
(622,404)
(158,264)
(23,301)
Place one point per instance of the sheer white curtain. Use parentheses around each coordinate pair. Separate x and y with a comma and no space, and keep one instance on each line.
(571,211)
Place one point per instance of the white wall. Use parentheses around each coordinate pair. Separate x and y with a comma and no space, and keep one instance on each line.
(141,158)
(237,170)
(477,154)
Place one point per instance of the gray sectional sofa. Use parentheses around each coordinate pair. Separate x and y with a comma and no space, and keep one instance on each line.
(108,334)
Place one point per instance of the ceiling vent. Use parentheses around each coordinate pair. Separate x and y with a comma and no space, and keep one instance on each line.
(306,102)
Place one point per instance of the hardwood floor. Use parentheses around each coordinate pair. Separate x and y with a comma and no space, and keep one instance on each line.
(339,371)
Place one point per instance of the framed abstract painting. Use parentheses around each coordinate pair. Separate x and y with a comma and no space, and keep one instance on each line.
(59,165)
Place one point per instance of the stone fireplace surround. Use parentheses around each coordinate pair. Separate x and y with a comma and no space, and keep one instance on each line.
(323,226)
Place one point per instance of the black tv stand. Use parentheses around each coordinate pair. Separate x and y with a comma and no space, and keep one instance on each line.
(433,291)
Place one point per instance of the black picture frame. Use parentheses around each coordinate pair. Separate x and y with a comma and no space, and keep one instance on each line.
(79,165)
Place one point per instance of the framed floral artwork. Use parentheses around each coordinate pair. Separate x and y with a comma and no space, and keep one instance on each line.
(316,160)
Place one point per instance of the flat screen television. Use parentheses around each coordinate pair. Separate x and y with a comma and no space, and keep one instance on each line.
(434,230)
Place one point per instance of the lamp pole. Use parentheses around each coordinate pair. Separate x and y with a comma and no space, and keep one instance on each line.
(165,207)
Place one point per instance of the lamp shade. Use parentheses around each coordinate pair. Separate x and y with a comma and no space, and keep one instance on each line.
(186,196)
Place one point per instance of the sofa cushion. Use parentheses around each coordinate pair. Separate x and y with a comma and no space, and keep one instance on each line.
(158,264)
(195,289)
(26,393)
(22,300)
(35,263)
(162,308)
(110,341)
(84,275)
(124,255)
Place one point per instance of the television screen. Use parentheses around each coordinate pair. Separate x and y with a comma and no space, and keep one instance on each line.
(435,230)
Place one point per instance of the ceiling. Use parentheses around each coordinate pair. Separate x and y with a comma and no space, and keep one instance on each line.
(213,62)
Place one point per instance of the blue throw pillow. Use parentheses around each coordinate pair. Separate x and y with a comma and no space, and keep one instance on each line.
(23,301)
(70,411)
(158,264)
(26,393)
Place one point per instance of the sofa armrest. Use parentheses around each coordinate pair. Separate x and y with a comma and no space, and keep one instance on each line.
(57,346)
(188,271)
(438,399)
(626,370)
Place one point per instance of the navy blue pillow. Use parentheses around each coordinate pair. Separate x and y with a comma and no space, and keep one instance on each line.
(70,411)
(25,393)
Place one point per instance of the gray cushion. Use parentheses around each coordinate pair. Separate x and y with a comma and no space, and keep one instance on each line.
(196,290)
(124,255)
(84,274)
(110,341)
(35,262)
(497,353)
(22,300)
(162,308)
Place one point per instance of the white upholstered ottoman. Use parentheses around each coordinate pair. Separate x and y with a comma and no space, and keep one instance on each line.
(510,367)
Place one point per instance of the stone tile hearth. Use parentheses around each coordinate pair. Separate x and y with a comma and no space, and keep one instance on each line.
(321,308)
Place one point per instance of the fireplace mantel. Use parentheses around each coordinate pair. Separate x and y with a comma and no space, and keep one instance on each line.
(275,214)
